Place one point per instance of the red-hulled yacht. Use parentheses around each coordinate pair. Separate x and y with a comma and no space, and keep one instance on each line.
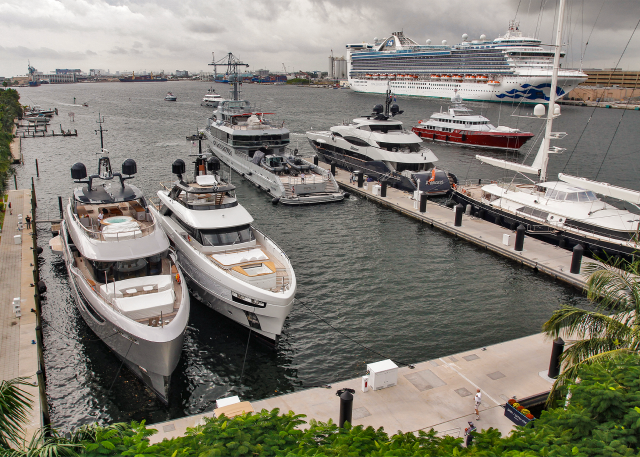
(459,126)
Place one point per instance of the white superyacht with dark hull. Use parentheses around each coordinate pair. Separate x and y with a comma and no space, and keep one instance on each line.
(228,264)
(124,275)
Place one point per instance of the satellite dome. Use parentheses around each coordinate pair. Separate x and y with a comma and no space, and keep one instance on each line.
(178,167)
(556,109)
(483,37)
(78,171)
(429,41)
(378,109)
(375,39)
(464,37)
(539,110)
(444,42)
(129,167)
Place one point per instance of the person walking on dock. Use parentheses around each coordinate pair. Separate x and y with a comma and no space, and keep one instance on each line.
(28,220)
(478,400)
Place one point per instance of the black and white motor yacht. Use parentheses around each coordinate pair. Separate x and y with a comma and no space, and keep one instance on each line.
(228,264)
(123,273)
(565,212)
(378,145)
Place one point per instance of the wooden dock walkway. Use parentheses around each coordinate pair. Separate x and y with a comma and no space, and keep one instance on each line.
(538,255)
(16,148)
(18,356)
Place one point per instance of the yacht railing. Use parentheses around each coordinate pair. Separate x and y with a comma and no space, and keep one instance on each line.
(140,232)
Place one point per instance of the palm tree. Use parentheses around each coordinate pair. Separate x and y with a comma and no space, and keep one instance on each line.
(611,329)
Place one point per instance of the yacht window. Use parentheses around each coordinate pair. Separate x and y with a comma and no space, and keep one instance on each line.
(583,197)
(551,193)
(591,196)
(356,141)
(384,128)
(561,195)
(400,147)
(572,197)
(227,236)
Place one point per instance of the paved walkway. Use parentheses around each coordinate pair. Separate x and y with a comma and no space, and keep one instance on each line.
(435,394)
(18,356)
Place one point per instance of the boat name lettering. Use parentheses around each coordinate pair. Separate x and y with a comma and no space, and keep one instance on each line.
(432,183)
(222,146)
(353,148)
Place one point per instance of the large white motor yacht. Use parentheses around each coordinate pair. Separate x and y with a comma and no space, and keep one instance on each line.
(228,264)
(249,142)
(212,99)
(379,146)
(123,273)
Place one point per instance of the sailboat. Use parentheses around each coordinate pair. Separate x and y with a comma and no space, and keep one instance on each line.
(566,212)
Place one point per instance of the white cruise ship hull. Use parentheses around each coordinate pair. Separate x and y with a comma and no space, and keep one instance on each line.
(522,88)
(214,287)
(151,353)
(270,182)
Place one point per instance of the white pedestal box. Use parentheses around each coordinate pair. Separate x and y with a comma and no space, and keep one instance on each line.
(375,190)
(382,374)
(17,239)
(505,239)
(365,383)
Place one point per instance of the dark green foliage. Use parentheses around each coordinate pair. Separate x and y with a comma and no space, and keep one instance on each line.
(9,110)
(14,409)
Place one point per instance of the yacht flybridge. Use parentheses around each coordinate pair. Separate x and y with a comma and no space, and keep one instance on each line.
(378,145)
(566,212)
(249,142)
(123,273)
(458,125)
(228,264)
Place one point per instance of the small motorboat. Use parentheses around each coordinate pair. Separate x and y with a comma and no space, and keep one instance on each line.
(296,163)
(170,97)
(275,164)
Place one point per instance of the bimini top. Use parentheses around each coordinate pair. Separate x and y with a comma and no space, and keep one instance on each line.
(105,194)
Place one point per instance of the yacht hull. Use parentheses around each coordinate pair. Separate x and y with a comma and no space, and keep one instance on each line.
(150,353)
(563,238)
(215,289)
(488,140)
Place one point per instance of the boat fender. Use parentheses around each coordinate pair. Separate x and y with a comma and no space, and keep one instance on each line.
(347,195)
(42,287)
(178,278)
(275,201)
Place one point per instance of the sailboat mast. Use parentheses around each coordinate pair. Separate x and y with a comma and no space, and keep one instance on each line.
(552,94)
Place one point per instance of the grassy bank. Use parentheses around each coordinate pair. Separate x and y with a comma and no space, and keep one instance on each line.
(9,110)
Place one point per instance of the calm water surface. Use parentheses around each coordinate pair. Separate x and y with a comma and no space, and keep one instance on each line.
(407,291)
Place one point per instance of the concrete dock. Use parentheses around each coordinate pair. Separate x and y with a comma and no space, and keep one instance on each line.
(18,356)
(538,255)
(436,394)
(16,147)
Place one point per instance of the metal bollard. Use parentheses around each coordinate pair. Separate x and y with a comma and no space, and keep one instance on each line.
(556,351)
(519,246)
(423,202)
(562,243)
(468,209)
(315,160)
(458,218)
(333,168)
(383,190)
(360,178)
(346,408)
(576,260)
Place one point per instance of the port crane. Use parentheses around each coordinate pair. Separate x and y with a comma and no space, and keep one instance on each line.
(232,63)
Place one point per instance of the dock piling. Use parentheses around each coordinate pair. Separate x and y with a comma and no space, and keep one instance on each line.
(346,408)
(556,351)
(458,218)
(519,246)
(360,175)
(576,259)
(315,160)
(423,202)
(383,189)
(15,181)
(333,168)
(60,205)
(37,169)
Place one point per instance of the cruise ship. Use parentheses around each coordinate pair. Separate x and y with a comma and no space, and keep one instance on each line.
(512,67)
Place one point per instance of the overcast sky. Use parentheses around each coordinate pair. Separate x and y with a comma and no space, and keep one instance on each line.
(168,35)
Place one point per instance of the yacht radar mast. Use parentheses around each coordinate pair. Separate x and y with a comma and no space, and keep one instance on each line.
(232,63)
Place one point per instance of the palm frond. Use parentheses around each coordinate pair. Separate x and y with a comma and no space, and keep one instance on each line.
(592,349)
(580,323)
(15,404)
(613,289)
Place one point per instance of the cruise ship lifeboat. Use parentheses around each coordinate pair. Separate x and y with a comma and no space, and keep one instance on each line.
(470,78)
(456,77)
(482,77)
(493,82)
(446,76)
(435,76)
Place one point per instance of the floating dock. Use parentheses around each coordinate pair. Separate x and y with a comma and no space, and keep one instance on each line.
(18,353)
(538,255)
(436,394)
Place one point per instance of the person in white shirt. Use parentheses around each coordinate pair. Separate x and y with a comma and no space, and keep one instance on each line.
(478,400)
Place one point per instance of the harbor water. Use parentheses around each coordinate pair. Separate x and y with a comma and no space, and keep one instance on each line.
(372,284)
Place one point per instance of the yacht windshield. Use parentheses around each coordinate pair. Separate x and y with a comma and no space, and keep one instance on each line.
(227,236)
(384,128)
(400,147)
